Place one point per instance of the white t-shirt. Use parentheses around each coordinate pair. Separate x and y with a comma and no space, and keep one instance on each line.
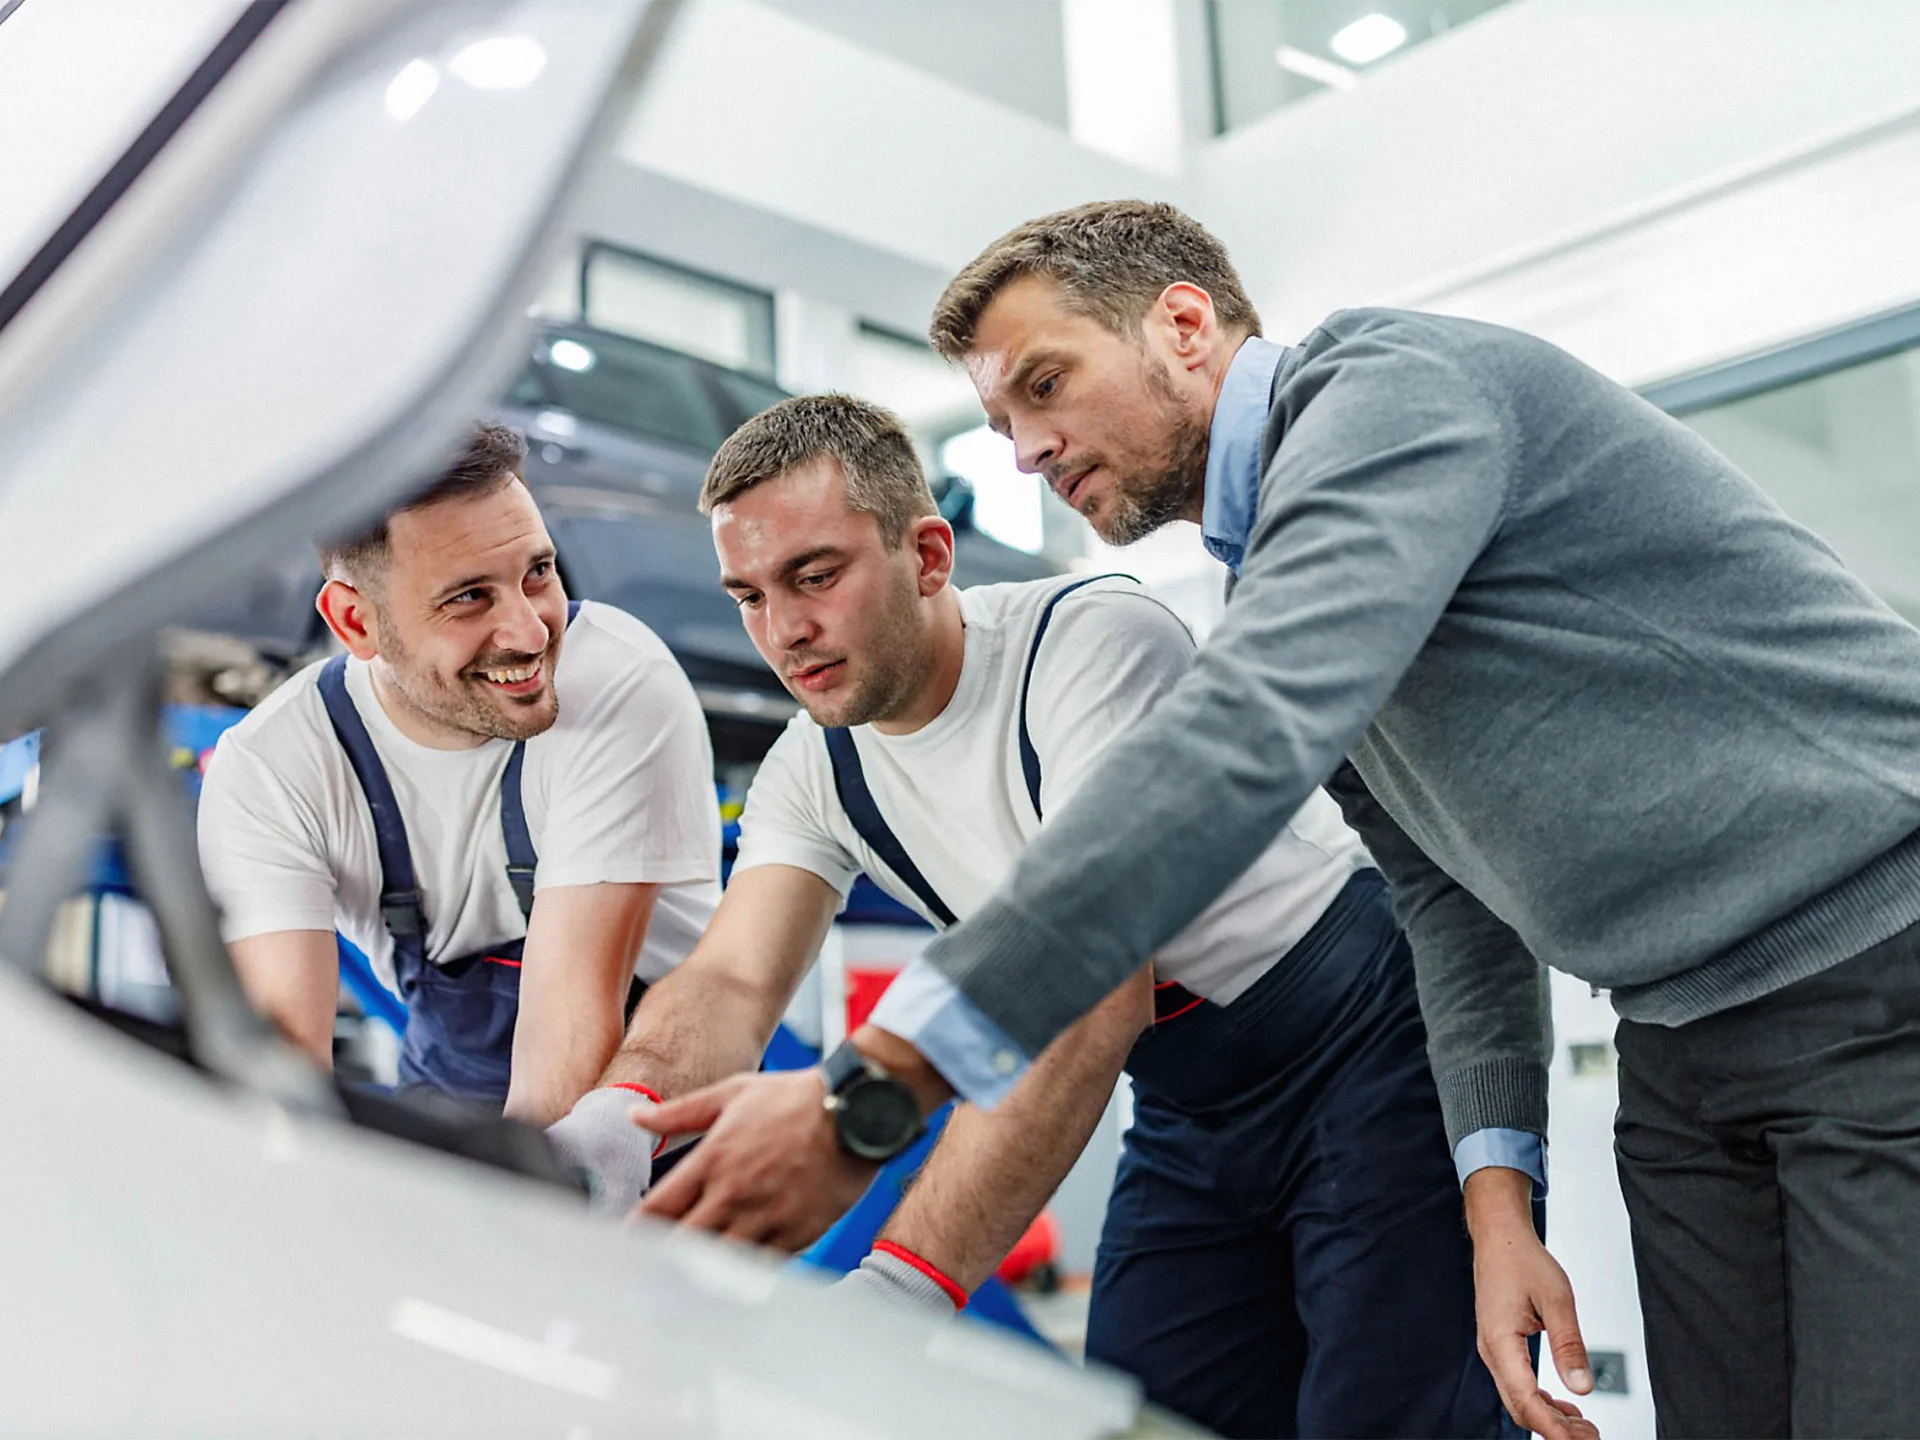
(618,791)
(955,795)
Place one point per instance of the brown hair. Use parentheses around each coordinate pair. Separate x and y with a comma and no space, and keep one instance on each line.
(1111,259)
(882,474)
(493,456)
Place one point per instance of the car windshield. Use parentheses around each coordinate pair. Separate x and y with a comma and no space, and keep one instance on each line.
(622,383)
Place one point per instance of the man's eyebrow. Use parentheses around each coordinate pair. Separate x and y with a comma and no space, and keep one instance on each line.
(544,555)
(1030,362)
(790,566)
(447,592)
(794,564)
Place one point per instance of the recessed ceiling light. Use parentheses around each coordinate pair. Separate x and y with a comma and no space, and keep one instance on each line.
(1368,38)
(571,355)
(1316,68)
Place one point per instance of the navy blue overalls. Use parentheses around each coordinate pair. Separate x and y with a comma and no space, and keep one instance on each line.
(460,1012)
(1284,1252)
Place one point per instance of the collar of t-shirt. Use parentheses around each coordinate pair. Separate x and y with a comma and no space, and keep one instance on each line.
(1233,450)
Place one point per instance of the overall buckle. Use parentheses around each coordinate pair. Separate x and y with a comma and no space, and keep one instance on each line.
(402,913)
(520,877)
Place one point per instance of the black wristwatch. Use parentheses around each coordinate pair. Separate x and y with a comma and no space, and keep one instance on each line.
(875,1116)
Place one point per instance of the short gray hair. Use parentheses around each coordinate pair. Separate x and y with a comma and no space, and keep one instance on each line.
(876,458)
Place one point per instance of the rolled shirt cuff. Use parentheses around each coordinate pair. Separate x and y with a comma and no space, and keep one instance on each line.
(974,1055)
(1513,1149)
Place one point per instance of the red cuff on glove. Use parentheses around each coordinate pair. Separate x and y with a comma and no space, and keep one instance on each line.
(948,1285)
(651,1094)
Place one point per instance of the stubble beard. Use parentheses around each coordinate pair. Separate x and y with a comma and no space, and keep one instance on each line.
(1144,500)
(900,665)
(460,705)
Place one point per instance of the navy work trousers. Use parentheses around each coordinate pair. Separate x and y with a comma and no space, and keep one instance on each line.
(1284,1252)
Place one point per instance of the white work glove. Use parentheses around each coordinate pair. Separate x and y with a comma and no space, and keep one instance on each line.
(899,1282)
(598,1137)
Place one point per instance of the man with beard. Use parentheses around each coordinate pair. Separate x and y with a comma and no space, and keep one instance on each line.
(503,798)
(1591,700)
(1284,1225)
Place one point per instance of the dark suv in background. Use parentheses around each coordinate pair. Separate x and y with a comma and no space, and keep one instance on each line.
(619,433)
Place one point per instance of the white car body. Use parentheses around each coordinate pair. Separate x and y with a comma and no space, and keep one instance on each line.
(279,321)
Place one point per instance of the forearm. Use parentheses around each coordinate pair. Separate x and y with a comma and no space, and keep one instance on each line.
(992,1172)
(694,1027)
(555,1069)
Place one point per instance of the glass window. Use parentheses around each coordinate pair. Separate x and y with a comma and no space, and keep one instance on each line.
(612,381)
(902,372)
(1007,505)
(1840,453)
(702,315)
(746,395)
(1269,53)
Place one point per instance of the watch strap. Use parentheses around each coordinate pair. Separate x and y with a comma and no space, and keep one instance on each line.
(844,1065)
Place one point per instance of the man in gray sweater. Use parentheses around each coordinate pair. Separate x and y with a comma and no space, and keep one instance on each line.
(1592,701)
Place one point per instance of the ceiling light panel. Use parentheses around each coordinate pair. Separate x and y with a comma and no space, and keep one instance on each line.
(1369,38)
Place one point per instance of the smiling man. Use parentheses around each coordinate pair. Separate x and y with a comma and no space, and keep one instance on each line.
(1592,701)
(504,799)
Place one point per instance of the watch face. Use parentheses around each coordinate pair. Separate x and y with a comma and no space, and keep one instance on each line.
(877,1119)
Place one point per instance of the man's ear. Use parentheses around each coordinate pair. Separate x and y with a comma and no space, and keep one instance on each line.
(349,615)
(932,540)
(1193,329)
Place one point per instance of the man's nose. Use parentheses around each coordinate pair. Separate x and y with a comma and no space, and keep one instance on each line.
(1034,448)
(789,625)
(521,627)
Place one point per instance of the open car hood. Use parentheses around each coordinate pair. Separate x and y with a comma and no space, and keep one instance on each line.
(282,307)
(278,311)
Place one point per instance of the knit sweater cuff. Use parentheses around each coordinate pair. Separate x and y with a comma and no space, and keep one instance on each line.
(1028,980)
(1509,1093)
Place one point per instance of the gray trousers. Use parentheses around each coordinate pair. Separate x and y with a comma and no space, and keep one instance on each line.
(1770,1159)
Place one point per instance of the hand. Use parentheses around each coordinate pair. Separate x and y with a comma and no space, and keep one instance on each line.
(599,1136)
(1520,1290)
(769,1170)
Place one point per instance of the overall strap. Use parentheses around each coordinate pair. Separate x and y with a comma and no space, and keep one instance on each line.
(522,859)
(400,907)
(1171,999)
(1029,757)
(850,784)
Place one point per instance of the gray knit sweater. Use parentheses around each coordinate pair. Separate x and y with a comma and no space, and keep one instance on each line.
(1605,708)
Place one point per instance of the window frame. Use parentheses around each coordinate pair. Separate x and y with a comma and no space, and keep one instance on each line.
(763,327)
(1841,348)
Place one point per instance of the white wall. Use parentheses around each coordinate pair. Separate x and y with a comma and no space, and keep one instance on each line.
(750,104)
(1009,51)
(1586,1218)
(1655,185)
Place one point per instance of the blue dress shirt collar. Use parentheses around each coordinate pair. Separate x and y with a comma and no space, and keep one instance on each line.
(1233,450)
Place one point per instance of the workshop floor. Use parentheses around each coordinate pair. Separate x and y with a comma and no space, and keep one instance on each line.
(1061,1316)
